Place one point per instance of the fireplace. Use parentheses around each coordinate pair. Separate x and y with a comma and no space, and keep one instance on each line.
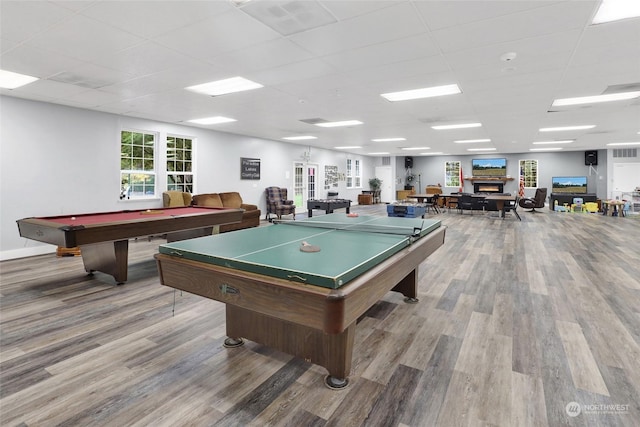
(488,187)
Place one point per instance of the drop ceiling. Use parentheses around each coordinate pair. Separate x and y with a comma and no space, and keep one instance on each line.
(330,61)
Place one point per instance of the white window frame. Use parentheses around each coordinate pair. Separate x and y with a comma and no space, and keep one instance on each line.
(354,173)
(452,173)
(126,192)
(170,185)
(524,172)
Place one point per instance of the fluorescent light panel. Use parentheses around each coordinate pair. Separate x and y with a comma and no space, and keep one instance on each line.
(299,138)
(416,148)
(427,92)
(566,141)
(623,143)
(471,141)
(564,128)
(11,80)
(212,120)
(223,87)
(347,147)
(379,153)
(621,96)
(615,10)
(388,139)
(338,124)
(481,149)
(546,149)
(431,154)
(459,126)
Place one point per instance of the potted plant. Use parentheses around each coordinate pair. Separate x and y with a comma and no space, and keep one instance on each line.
(375,184)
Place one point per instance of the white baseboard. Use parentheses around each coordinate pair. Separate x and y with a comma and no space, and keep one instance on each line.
(27,252)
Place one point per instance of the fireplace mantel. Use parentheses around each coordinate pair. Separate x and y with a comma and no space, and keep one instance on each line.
(504,179)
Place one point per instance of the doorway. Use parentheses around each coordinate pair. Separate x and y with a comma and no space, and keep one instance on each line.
(305,183)
(385,174)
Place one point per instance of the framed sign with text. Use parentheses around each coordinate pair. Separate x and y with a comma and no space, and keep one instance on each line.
(249,168)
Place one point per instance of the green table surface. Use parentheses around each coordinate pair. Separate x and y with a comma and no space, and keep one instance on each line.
(350,247)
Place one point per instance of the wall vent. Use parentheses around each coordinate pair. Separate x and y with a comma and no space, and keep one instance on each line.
(386,161)
(625,152)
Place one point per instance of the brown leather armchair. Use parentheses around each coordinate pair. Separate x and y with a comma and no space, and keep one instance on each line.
(172,199)
(536,202)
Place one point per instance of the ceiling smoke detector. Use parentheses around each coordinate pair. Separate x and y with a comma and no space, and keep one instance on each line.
(508,57)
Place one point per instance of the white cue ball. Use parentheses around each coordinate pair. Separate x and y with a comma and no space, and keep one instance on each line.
(73,217)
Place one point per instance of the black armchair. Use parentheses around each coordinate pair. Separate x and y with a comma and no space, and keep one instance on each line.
(536,202)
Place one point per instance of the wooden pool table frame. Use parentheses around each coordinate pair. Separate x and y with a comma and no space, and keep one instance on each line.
(311,322)
(105,246)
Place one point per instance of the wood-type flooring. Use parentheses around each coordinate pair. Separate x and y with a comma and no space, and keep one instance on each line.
(520,323)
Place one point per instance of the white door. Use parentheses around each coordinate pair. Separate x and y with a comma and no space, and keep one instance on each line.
(386,190)
(305,184)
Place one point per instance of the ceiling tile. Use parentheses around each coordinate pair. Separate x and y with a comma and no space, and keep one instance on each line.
(84,38)
(388,24)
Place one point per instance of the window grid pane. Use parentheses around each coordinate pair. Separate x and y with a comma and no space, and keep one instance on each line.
(179,159)
(137,164)
(452,174)
(529,173)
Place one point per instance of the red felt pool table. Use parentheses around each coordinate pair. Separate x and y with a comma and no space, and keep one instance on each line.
(104,237)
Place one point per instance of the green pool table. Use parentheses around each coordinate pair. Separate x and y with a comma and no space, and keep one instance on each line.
(303,303)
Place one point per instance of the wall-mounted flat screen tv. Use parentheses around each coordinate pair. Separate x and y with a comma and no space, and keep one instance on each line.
(569,184)
(489,167)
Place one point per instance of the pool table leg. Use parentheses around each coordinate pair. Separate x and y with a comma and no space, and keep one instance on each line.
(107,257)
(409,287)
(333,351)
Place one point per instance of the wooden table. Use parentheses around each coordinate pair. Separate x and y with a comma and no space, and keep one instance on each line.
(618,207)
(500,201)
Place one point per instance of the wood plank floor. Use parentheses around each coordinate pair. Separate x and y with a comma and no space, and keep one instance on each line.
(516,320)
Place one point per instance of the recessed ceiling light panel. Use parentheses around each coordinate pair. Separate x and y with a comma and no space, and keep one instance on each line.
(471,141)
(212,120)
(388,139)
(620,96)
(427,92)
(226,86)
(339,124)
(11,80)
(300,138)
(565,128)
(566,141)
(458,126)
(616,10)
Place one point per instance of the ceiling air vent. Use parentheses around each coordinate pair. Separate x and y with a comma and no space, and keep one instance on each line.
(625,152)
(289,17)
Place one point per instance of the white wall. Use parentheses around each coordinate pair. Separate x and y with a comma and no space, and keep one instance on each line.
(58,160)
(570,163)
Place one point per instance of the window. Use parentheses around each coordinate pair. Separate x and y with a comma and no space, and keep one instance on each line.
(180,164)
(529,173)
(354,173)
(452,174)
(137,165)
